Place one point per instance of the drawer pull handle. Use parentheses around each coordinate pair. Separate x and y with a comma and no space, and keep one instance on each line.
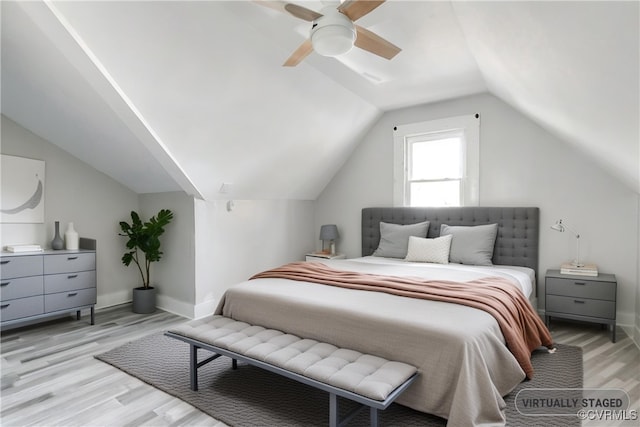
(4,305)
(577,301)
(4,283)
(72,276)
(5,261)
(579,283)
(72,258)
(72,294)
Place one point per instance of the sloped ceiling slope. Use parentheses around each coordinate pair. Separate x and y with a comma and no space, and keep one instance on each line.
(195,91)
(223,114)
(48,95)
(574,67)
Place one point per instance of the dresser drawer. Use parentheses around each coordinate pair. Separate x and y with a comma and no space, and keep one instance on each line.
(21,287)
(69,300)
(20,266)
(581,288)
(65,263)
(23,307)
(69,281)
(581,306)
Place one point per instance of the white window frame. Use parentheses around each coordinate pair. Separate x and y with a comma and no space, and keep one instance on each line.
(469,126)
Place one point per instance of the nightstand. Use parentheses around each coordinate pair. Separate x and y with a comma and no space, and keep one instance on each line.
(320,257)
(585,298)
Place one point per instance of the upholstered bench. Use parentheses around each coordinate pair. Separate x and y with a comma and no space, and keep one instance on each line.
(372,381)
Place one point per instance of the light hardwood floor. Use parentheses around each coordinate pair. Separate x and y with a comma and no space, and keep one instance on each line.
(50,377)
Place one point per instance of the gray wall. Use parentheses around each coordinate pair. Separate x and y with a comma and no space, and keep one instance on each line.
(521,164)
(174,275)
(76,192)
(255,235)
(206,248)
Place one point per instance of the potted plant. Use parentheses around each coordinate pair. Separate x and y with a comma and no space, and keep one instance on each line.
(145,238)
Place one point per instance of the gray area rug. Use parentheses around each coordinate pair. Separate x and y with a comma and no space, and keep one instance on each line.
(251,397)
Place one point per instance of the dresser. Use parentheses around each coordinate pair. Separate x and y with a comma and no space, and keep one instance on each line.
(585,298)
(36,285)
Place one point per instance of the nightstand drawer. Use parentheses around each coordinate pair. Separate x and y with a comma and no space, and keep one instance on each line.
(69,281)
(65,263)
(581,306)
(21,266)
(20,288)
(71,299)
(22,307)
(581,288)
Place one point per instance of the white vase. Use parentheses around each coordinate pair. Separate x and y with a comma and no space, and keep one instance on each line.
(71,239)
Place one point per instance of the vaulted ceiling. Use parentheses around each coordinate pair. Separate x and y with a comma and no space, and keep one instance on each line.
(164,95)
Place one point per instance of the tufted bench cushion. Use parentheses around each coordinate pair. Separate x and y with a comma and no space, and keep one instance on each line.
(364,374)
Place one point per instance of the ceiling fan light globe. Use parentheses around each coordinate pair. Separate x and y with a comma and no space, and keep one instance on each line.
(333,40)
(333,33)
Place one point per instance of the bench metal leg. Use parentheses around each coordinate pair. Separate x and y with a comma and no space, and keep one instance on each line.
(234,364)
(334,412)
(194,364)
(373,417)
(194,367)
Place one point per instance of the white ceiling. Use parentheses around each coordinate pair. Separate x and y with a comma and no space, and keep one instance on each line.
(190,95)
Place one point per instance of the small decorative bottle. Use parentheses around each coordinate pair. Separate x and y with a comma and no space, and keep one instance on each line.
(57,243)
(71,238)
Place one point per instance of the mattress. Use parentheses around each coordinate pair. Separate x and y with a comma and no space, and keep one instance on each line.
(465,366)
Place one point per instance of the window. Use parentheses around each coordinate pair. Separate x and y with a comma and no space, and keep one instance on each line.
(436,163)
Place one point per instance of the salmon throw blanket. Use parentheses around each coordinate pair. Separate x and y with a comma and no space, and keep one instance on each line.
(521,326)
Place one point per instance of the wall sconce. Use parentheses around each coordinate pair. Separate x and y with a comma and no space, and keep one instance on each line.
(227,188)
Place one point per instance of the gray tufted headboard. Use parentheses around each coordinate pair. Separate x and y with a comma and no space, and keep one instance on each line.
(518,228)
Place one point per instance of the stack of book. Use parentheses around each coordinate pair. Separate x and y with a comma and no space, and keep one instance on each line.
(24,248)
(583,270)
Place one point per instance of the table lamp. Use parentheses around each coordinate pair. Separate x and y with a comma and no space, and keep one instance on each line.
(329,232)
(559,226)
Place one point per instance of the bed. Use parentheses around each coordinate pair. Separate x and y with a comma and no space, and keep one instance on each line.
(465,366)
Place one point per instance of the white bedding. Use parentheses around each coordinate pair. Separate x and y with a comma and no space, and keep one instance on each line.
(465,366)
(523,276)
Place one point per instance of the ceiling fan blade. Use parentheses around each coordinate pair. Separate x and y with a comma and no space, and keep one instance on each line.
(356,9)
(290,8)
(302,12)
(300,53)
(375,44)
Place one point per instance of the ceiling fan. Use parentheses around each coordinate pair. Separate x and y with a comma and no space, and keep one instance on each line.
(333,31)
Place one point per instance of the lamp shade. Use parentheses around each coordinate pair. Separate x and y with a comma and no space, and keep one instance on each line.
(329,232)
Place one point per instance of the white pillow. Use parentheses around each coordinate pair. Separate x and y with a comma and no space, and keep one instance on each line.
(429,250)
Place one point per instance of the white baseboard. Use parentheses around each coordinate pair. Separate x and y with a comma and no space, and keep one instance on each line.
(163,302)
(112,299)
(204,309)
(175,306)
